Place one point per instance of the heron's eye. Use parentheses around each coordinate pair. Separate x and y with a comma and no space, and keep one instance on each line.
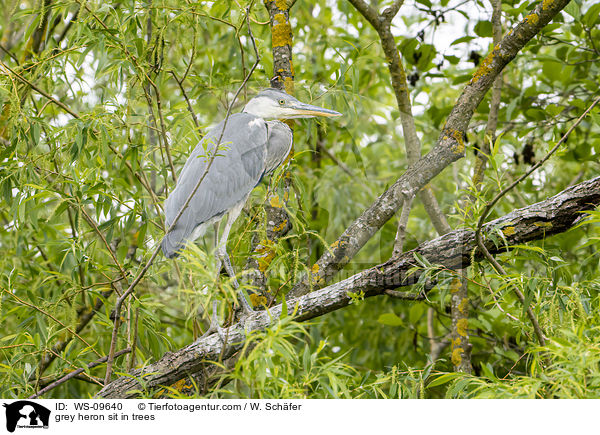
(281,102)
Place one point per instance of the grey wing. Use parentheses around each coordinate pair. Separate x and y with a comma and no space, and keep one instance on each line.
(279,144)
(234,172)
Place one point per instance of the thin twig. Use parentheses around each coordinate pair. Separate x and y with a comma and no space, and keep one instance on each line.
(335,160)
(40,91)
(187,100)
(407,296)
(12,56)
(95,227)
(134,339)
(492,121)
(75,373)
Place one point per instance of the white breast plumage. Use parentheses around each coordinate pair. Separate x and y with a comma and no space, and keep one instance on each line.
(256,122)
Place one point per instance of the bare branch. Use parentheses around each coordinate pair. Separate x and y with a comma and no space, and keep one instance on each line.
(402,224)
(368,12)
(389,13)
(406,296)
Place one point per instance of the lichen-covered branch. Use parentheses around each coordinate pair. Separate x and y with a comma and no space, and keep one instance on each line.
(450,147)
(453,251)
(277,221)
(281,43)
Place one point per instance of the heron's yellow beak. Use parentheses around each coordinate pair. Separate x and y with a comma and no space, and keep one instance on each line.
(303,110)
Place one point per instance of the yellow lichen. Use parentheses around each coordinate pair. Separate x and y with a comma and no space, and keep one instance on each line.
(282,5)
(338,244)
(281,227)
(314,272)
(265,254)
(508,231)
(288,83)
(546,4)
(258,300)
(485,67)
(458,136)
(543,224)
(281,32)
(462,307)
(532,18)
(182,385)
(461,327)
(264,261)
(457,355)
(455,285)
(275,201)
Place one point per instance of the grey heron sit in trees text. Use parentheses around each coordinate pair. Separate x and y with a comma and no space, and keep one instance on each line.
(253,144)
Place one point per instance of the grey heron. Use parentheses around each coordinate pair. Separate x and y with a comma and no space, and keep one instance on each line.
(253,144)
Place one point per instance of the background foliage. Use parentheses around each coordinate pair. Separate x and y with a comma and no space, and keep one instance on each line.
(82,195)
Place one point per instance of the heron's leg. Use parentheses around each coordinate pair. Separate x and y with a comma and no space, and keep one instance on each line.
(214,325)
(216,247)
(224,257)
(222,246)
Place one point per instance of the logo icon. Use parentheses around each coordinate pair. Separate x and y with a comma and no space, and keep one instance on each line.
(26,414)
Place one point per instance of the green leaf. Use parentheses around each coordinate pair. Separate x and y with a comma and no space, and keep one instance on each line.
(284,307)
(461,40)
(592,16)
(443,379)
(573,9)
(484,29)
(390,319)
(529,291)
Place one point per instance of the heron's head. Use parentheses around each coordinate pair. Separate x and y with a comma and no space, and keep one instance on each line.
(276,104)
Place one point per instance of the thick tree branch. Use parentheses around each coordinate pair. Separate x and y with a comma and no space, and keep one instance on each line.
(450,147)
(453,251)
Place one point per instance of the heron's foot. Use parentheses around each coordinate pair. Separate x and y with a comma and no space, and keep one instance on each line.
(246,307)
(246,310)
(214,326)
